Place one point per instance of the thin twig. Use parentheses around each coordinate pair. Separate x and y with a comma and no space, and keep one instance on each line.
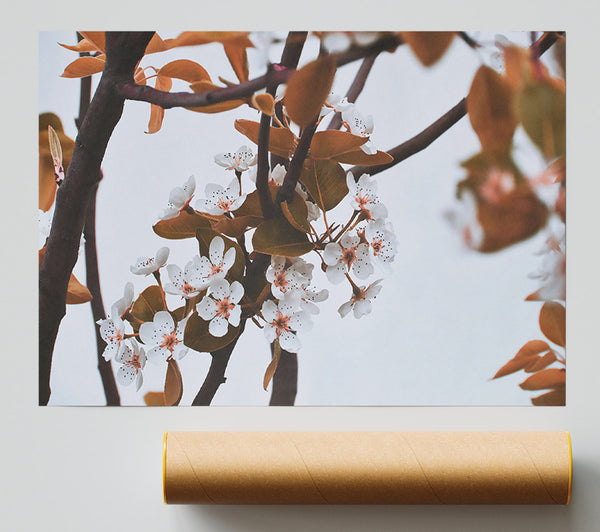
(356,87)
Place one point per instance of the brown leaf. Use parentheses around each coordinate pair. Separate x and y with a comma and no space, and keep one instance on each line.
(76,292)
(428,46)
(531,348)
(173,384)
(238,58)
(55,147)
(553,398)
(272,367)
(325,182)
(526,356)
(157,113)
(329,144)
(83,67)
(539,363)
(264,103)
(156,44)
(207,86)
(490,105)
(277,237)
(541,108)
(183,226)
(552,322)
(296,217)
(362,158)
(308,88)
(186,70)
(281,141)
(82,46)
(197,336)
(236,227)
(97,38)
(155,399)
(148,303)
(547,378)
(194,38)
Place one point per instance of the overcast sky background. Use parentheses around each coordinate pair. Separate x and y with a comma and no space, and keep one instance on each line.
(446,319)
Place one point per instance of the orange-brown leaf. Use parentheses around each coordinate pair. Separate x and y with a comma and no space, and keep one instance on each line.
(329,144)
(308,88)
(76,292)
(428,46)
(157,113)
(264,103)
(238,58)
(186,70)
(490,104)
(155,399)
(194,38)
(84,66)
(539,363)
(236,227)
(534,347)
(362,158)
(552,322)
(281,141)
(97,38)
(545,379)
(182,226)
(156,44)
(173,384)
(552,398)
(272,367)
(82,46)
(207,86)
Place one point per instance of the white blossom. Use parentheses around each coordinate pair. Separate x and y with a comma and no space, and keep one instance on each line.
(148,265)
(220,200)
(361,126)
(349,255)
(163,337)
(382,240)
(363,196)
(186,283)
(361,303)
(283,320)
(133,360)
(123,305)
(217,264)
(179,199)
(286,275)
(220,306)
(240,160)
(112,331)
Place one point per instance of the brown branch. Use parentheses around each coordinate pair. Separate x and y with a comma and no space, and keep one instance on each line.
(93,284)
(423,139)
(418,142)
(286,191)
(123,51)
(285,380)
(216,373)
(262,168)
(129,90)
(356,88)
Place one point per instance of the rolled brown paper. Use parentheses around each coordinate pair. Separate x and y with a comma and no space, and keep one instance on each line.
(367,467)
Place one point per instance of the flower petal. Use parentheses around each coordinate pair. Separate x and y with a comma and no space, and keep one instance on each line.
(218,326)
(236,292)
(336,274)
(269,310)
(161,257)
(219,289)
(345,308)
(289,341)
(216,249)
(207,308)
(126,375)
(234,315)
(332,254)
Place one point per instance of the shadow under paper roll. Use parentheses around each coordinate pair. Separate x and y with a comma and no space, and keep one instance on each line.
(367,467)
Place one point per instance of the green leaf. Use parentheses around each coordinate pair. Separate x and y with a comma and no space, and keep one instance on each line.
(148,303)
(326,183)
(205,235)
(277,237)
(197,337)
(308,88)
(173,384)
(183,226)
(541,108)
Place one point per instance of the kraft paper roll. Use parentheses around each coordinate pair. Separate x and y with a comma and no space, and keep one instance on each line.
(367,467)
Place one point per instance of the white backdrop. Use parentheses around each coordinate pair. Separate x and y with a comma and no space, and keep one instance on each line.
(97,469)
(447,317)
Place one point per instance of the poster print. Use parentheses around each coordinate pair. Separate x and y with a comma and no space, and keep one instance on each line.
(310,218)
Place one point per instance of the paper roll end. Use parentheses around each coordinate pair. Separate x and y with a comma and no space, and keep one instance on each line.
(570,468)
(164,467)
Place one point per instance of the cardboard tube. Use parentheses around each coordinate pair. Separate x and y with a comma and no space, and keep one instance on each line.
(367,467)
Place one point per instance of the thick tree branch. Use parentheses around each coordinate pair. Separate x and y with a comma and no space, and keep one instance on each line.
(423,139)
(128,89)
(123,51)
(285,380)
(262,168)
(356,88)
(216,373)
